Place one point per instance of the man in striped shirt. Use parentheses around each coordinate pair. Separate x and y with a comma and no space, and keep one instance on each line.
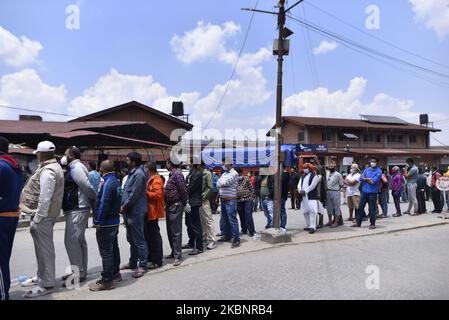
(227,185)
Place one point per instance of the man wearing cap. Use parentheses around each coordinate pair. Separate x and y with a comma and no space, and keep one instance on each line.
(79,198)
(11,177)
(42,199)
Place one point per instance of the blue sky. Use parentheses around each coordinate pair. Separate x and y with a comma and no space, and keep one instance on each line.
(157,51)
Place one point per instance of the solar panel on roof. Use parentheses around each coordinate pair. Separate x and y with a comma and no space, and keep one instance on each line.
(383,119)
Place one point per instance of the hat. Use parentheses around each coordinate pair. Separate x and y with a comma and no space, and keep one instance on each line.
(45,146)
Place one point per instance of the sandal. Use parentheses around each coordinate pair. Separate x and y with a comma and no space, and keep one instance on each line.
(38,292)
(30,282)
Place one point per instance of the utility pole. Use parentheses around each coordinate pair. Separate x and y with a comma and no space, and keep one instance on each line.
(281,48)
(278,129)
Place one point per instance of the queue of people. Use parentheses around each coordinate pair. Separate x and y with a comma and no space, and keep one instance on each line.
(141,197)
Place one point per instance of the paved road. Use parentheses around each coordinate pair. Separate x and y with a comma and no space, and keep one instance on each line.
(23,261)
(412,265)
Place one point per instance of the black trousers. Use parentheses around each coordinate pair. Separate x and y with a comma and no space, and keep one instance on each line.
(428,191)
(421,196)
(154,241)
(293,197)
(242,216)
(196,228)
(213,202)
(173,218)
(190,233)
(436,198)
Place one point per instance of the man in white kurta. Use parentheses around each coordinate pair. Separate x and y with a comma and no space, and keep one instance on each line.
(310,207)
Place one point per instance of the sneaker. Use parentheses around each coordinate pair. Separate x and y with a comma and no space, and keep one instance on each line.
(311,231)
(186,246)
(372,227)
(355,225)
(224,239)
(211,245)
(283,230)
(235,244)
(306,229)
(397,215)
(170,256)
(176,263)
(101,286)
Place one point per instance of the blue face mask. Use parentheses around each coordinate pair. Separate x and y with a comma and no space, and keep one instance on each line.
(306,171)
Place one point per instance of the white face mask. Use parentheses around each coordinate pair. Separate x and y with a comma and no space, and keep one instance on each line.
(373,164)
(64,161)
(352,171)
(306,171)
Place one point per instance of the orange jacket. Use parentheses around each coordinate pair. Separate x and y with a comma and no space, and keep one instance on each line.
(155,195)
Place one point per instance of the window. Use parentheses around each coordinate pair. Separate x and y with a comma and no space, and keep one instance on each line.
(371,138)
(412,139)
(395,139)
(301,136)
(327,136)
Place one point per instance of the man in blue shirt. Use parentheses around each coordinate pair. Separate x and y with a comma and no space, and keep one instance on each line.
(11,177)
(370,179)
(106,221)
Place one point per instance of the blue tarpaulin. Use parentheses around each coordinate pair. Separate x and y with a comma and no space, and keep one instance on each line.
(248,157)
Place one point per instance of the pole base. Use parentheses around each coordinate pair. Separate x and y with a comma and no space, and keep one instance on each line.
(274,236)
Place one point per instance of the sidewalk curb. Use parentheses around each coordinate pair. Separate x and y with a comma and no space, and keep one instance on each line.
(168,267)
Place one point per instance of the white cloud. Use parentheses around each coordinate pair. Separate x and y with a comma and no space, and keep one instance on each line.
(115,88)
(26,89)
(247,89)
(434,13)
(325,47)
(17,52)
(205,41)
(347,104)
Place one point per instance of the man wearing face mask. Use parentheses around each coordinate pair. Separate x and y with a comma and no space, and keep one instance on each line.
(79,198)
(310,204)
(353,191)
(334,184)
(42,199)
(227,186)
(411,175)
(370,178)
(134,208)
